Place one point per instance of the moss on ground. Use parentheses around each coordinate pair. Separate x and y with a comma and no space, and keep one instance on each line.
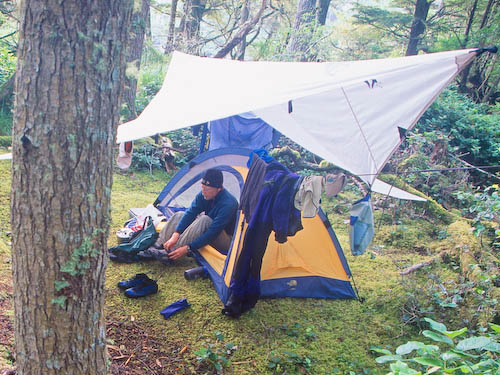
(335,335)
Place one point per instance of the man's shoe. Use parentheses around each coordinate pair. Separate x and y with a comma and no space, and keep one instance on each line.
(133,282)
(148,287)
(157,245)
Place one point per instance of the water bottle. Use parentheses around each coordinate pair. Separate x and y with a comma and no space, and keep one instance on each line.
(196,273)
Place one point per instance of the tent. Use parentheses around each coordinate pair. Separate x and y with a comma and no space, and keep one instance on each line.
(309,264)
(354,114)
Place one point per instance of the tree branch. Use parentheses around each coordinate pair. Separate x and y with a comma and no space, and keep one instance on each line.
(241,33)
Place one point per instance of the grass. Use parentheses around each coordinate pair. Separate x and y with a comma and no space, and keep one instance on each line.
(334,335)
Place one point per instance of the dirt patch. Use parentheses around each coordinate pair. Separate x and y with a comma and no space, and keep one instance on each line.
(135,351)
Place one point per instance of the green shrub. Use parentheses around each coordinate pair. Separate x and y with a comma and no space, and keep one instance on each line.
(471,129)
(471,355)
(5,123)
(5,141)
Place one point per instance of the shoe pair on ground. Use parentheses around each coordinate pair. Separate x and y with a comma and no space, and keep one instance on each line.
(138,286)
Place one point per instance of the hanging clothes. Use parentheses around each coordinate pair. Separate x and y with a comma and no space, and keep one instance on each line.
(250,193)
(309,195)
(124,158)
(361,229)
(274,211)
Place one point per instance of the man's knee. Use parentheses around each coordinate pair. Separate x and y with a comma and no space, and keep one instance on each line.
(202,222)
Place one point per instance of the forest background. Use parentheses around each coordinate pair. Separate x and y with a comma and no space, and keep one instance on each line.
(435,261)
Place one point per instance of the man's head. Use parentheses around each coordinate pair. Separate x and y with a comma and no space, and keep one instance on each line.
(211,183)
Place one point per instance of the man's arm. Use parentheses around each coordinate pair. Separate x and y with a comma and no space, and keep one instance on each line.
(191,214)
(224,216)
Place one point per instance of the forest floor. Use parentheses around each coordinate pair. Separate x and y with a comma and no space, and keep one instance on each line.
(293,336)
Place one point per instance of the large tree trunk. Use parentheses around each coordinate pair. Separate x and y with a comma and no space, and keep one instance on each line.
(322,11)
(134,54)
(417,26)
(303,30)
(69,80)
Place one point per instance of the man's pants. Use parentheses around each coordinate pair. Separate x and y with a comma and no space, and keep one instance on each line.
(192,232)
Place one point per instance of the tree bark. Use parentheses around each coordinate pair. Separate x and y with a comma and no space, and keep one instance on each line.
(193,14)
(171,27)
(486,14)
(417,26)
(322,11)
(140,16)
(303,29)
(71,63)
(245,14)
(139,21)
(469,23)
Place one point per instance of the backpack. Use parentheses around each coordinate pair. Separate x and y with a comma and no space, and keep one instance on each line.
(144,239)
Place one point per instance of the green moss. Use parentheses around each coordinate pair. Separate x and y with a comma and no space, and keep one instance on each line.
(345,329)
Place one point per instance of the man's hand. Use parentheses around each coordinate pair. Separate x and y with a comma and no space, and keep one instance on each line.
(178,253)
(171,241)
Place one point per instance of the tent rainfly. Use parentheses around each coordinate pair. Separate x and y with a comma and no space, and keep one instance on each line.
(352,114)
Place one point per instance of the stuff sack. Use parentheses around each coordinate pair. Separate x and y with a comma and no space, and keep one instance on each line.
(361,228)
(143,240)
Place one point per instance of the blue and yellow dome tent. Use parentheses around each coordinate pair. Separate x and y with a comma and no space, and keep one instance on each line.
(309,264)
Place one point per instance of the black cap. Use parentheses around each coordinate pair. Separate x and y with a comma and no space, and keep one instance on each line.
(212,178)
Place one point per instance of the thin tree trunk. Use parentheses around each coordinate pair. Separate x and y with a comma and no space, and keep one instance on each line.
(469,23)
(171,27)
(242,32)
(418,26)
(464,76)
(245,14)
(486,14)
(134,55)
(70,72)
(303,30)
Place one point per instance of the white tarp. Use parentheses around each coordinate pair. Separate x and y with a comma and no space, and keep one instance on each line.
(345,112)
(382,187)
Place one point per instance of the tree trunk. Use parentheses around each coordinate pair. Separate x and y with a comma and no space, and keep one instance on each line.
(245,14)
(469,23)
(303,30)
(417,26)
(322,11)
(171,27)
(193,13)
(134,54)
(71,63)
(486,13)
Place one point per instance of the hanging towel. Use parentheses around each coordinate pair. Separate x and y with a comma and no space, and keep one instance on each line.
(174,308)
(361,228)
(309,194)
(124,158)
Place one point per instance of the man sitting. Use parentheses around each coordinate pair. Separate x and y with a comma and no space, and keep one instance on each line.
(209,220)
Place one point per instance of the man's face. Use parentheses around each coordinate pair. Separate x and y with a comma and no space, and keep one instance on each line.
(209,192)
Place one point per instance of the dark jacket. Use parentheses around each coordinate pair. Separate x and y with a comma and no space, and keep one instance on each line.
(222,210)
